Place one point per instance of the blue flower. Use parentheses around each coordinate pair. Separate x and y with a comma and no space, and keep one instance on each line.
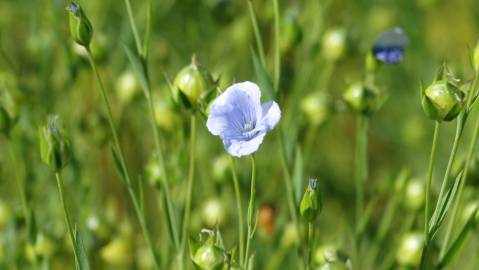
(389,46)
(240,120)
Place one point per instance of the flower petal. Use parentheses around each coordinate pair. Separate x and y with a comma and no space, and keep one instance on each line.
(271,115)
(239,148)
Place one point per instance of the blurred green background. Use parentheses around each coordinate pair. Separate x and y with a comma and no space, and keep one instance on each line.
(50,75)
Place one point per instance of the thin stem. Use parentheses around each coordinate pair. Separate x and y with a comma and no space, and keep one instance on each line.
(251,212)
(149,26)
(427,196)
(257,34)
(310,243)
(277,59)
(361,167)
(191,177)
(124,169)
(61,189)
(133,26)
(239,208)
(470,154)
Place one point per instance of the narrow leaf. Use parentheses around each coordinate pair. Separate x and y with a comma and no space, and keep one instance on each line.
(298,174)
(82,255)
(118,166)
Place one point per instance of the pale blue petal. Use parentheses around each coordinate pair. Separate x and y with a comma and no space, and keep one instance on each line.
(271,115)
(239,148)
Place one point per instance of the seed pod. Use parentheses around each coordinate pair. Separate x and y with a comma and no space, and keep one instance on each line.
(318,108)
(55,147)
(414,194)
(80,26)
(213,213)
(208,256)
(192,85)
(333,44)
(410,249)
(442,101)
(361,98)
(311,203)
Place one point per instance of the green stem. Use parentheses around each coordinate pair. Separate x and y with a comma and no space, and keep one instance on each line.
(251,212)
(428,191)
(310,243)
(133,26)
(361,167)
(61,189)
(277,59)
(191,177)
(257,34)
(124,169)
(149,26)
(470,154)
(239,208)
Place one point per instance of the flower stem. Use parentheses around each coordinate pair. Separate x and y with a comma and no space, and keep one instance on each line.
(257,34)
(251,212)
(61,190)
(463,179)
(122,162)
(191,177)
(310,243)
(277,59)
(361,165)
(427,196)
(239,208)
(133,26)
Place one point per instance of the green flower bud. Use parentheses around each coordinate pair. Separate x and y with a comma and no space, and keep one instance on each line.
(209,256)
(333,43)
(55,147)
(80,27)
(442,101)
(213,213)
(118,252)
(361,99)
(4,216)
(410,249)
(193,83)
(311,203)
(291,33)
(318,108)
(414,194)
(475,59)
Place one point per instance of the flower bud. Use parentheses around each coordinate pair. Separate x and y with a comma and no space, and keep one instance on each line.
(311,203)
(361,98)
(213,213)
(333,44)
(4,216)
(118,252)
(194,83)
(410,249)
(442,101)
(209,255)
(55,147)
(414,197)
(475,59)
(291,33)
(80,27)
(318,108)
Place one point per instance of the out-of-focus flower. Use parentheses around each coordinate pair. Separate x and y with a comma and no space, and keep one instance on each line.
(98,227)
(414,197)
(290,236)
(55,149)
(410,249)
(154,172)
(118,252)
(333,43)
(213,213)
(389,46)
(4,215)
(266,219)
(318,108)
(80,26)
(361,98)
(240,120)
(442,101)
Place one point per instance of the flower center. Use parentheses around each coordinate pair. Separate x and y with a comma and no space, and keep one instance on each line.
(248,126)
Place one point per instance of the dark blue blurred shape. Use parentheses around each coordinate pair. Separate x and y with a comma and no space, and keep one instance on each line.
(389,46)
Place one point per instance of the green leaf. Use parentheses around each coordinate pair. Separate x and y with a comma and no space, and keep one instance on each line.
(82,255)
(139,70)
(298,174)
(440,212)
(118,166)
(459,241)
(264,79)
